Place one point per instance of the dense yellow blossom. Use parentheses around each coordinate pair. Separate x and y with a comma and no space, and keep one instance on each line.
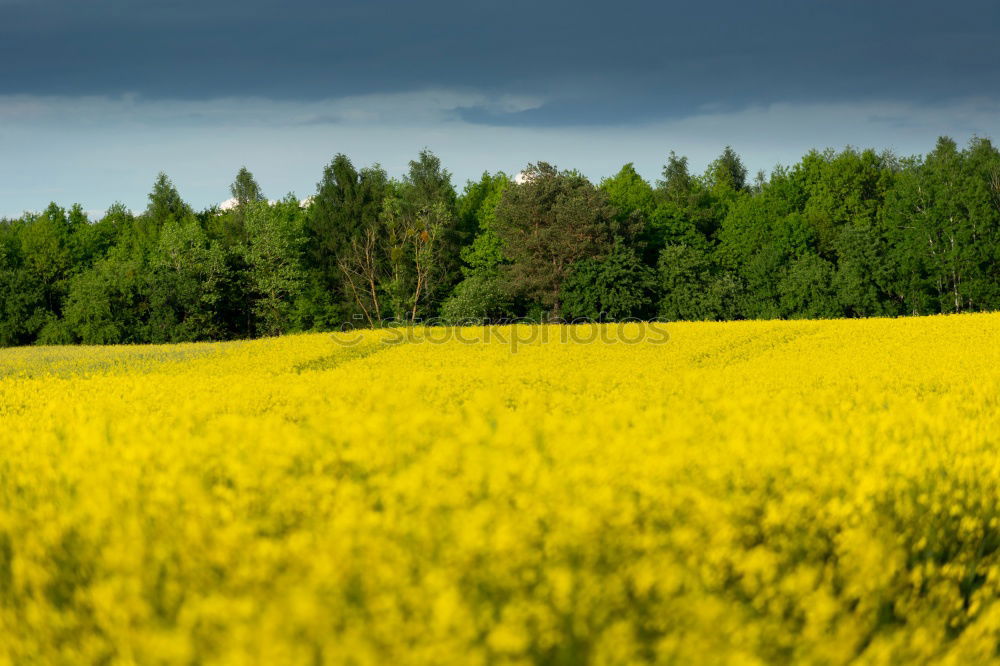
(809,492)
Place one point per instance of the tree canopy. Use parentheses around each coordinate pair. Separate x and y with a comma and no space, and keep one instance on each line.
(852,233)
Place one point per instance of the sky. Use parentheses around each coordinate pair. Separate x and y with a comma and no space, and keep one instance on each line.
(98,96)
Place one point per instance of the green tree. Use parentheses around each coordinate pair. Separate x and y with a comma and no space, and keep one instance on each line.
(482,294)
(944,227)
(807,289)
(727,172)
(408,259)
(415,246)
(186,284)
(93,240)
(108,303)
(677,184)
(165,202)
(347,205)
(758,238)
(687,212)
(47,260)
(693,287)
(245,189)
(230,226)
(482,297)
(18,295)
(614,287)
(424,211)
(548,223)
(632,199)
(274,255)
(477,214)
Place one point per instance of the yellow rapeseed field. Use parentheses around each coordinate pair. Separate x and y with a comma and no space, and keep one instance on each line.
(809,492)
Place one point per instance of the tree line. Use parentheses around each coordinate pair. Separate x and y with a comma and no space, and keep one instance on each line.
(838,234)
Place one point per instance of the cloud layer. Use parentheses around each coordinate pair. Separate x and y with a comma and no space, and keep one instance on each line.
(97,96)
(636,60)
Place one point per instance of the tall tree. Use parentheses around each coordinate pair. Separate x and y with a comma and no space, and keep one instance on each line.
(415,243)
(945,229)
(426,203)
(727,172)
(245,192)
(692,285)
(346,206)
(186,286)
(686,212)
(548,223)
(16,297)
(677,182)
(274,247)
(483,294)
(245,189)
(409,259)
(48,262)
(633,201)
(165,202)
(477,214)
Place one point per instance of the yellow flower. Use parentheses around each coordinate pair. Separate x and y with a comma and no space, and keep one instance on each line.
(808,492)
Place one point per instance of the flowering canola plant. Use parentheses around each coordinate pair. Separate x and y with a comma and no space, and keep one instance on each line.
(807,492)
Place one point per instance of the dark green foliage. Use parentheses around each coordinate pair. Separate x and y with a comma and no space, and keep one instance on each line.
(943,222)
(850,233)
(347,203)
(546,225)
(187,274)
(687,211)
(16,294)
(807,289)
(480,298)
(108,303)
(47,264)
(273,253)
(693,287)
(608,289)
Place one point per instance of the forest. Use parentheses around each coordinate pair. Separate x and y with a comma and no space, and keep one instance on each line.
(839,234)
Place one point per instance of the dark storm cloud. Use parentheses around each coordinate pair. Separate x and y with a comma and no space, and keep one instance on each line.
(591,63)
